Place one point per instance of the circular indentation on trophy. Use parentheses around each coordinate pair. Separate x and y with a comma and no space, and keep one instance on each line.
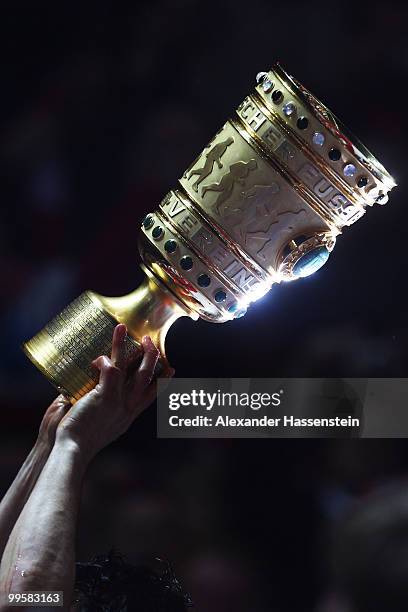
(158,232)
(148,221)
(170,246)
(220,296)
(349,170)
(289,109)
(186,262)
(302,123)
(334,154)
(362,181)
(203,280)
(311,262)
(277,96)
(318,139)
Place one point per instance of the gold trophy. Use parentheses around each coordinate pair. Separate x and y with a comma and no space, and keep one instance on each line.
(263,203)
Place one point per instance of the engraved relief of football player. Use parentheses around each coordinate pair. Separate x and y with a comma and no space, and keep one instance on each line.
(212,157)
(237,174)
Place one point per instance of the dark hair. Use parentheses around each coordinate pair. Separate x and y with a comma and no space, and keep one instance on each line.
(108,583)
(371,551)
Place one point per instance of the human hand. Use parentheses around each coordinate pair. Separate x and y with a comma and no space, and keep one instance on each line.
(122,393)
(50,421)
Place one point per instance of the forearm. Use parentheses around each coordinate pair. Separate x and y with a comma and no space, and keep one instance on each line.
(17,495)
(40,553)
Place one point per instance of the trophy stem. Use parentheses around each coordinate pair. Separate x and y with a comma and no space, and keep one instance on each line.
(149,310)
(65,348)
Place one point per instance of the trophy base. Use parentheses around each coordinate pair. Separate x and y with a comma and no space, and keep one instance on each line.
(64,350)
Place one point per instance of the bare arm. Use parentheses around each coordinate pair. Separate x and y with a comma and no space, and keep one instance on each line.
(42,543)
(40,552)
(19,491)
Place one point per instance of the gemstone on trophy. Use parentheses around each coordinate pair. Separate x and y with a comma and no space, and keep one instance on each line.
(203,280)
(302,123)
(311,262)
(277,96)
(318,139)
(157,232)
(170,246)
(220,296)
(260,76)
(362,181)
(349,170)
(267,85)
(186,262)
(148,221)
(288,109)
(334,154)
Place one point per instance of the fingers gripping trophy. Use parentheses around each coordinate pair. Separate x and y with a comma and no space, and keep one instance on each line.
(263,203)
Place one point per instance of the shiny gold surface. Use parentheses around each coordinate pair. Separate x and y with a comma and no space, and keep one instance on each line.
(65,348)
(263,203)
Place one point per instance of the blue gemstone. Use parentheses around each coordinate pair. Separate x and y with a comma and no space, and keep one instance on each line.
(203,280)
(157,232)
(186,262)
(233,307)
(148,221)
(220,296)
(311,262)
(170,246)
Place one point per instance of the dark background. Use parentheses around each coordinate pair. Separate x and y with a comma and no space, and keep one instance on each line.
(103,106)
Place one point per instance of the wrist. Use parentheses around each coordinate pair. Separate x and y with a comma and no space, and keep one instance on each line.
(65,445)
(41,450)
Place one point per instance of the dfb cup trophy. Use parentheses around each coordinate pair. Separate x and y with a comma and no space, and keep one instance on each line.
(263,203)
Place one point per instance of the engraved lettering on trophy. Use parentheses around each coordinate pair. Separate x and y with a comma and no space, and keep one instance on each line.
(219,254)
(174,206)
(324,189)
(203,239)
(309,173)
(240,275)
(253,116)
(339,200)
(285,151)
(272,137)
(212,157)
(81,332)
(238,172)
(344,207)
(188,223)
